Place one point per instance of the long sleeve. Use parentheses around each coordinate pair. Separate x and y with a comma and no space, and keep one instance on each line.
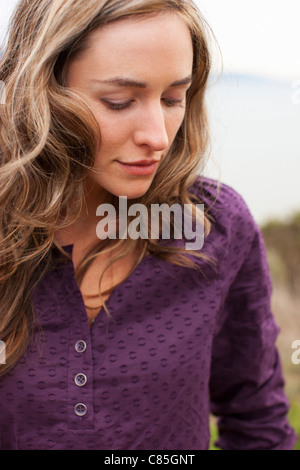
(247,385)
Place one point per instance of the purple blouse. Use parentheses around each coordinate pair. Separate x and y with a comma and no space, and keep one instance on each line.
(180,344)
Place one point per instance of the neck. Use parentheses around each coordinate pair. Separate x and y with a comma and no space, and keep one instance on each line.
(83,231)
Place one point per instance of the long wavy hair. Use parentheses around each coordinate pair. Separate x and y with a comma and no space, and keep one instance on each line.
(48,137)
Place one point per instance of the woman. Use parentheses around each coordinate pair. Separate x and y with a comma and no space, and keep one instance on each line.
(125,342)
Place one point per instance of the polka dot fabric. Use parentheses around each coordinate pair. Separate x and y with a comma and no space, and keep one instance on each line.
(180,343)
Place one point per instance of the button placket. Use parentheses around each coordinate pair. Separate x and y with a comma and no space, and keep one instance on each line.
(80,381)
(79,398)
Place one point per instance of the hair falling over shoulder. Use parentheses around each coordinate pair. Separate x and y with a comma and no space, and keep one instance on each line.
(47,141)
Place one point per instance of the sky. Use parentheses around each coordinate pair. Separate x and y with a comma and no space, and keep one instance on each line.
(255,36)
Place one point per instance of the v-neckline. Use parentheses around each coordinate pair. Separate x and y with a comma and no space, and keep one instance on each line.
(69,250)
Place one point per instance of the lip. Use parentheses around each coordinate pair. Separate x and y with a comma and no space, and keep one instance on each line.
(140,167)
(140,162)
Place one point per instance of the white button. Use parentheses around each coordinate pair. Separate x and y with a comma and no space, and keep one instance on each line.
(80,379)
(80,346)
(80,409)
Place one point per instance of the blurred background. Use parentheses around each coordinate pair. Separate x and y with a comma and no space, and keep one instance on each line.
(254,108)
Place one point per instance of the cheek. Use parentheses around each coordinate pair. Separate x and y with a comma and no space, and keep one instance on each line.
(114,133)
(173,125)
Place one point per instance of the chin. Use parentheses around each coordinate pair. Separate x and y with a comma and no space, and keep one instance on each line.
(133,190)
(133,193)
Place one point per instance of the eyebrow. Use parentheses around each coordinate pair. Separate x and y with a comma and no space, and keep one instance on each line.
(128,82)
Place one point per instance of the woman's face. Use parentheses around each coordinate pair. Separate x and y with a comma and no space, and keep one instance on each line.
(134,76)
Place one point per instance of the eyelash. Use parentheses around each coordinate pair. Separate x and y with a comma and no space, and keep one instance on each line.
(121,106)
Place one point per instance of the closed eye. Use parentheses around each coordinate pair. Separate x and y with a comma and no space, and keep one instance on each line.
(119,106)
(170,103)
(116,106)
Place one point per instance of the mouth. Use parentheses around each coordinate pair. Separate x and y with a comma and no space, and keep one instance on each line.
(140,163)
(140,167)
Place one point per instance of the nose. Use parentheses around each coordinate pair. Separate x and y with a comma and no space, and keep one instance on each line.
(151,129)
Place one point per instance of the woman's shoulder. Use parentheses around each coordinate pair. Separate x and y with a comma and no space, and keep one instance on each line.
(223,204)
(233,229)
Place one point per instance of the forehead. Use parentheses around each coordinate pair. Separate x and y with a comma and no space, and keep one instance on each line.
(155,44)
